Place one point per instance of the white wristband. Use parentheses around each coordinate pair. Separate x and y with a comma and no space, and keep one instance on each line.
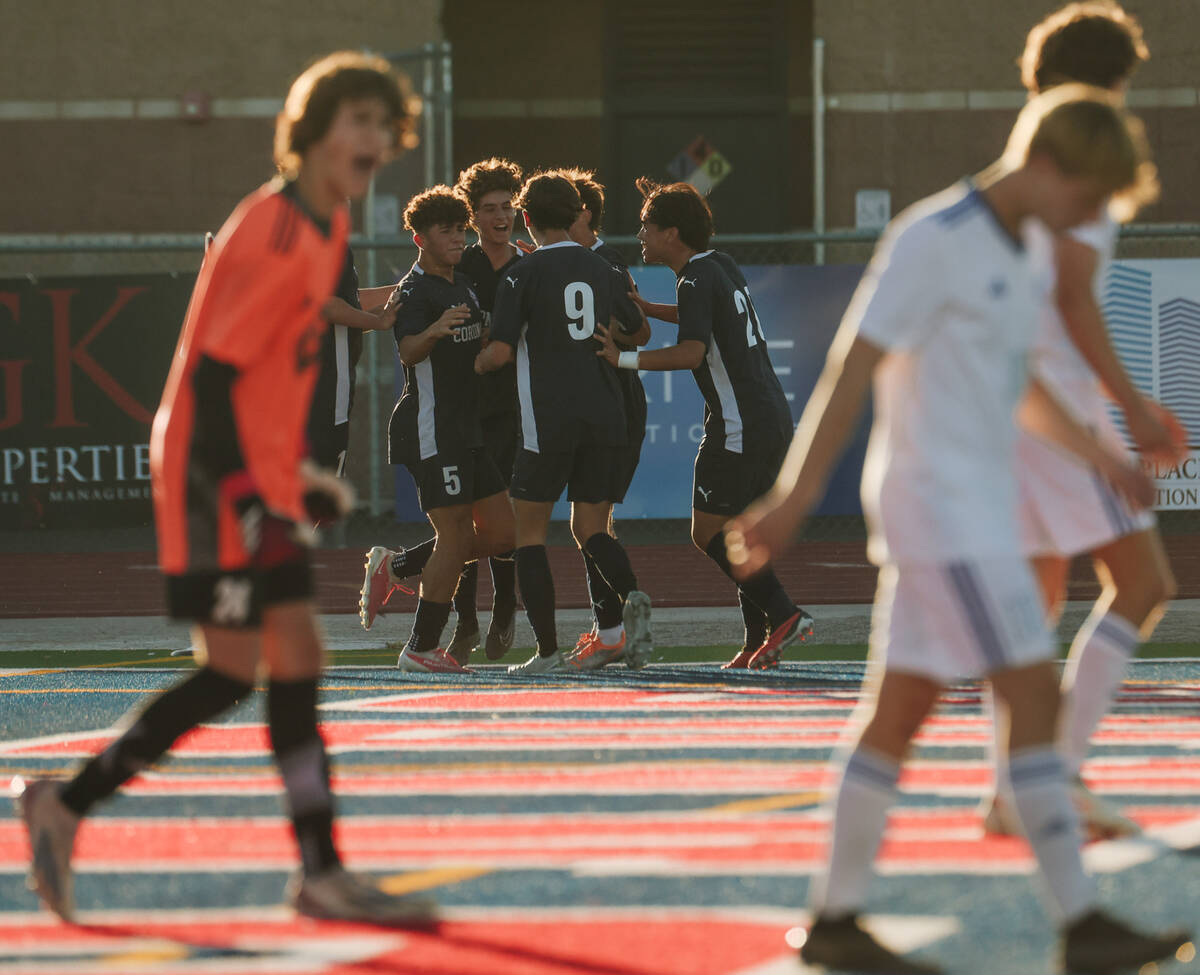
(627,360)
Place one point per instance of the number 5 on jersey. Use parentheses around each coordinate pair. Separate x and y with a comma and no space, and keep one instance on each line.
(451,479)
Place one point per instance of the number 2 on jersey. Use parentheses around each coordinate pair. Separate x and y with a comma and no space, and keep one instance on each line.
(742,302)
(580,306)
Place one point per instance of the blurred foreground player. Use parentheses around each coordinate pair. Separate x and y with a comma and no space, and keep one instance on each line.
(1065,509)
(942,324)
(231,496)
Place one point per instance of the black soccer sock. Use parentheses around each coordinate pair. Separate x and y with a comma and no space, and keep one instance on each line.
(465,595)
(504,584)
(613,562)
(304,766)
(755,621)
(537,591)
(411,561)
(606,604)
(428,625)
(762,589)
(192,701)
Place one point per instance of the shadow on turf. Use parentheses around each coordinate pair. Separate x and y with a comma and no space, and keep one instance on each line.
(798,675)
(211,950)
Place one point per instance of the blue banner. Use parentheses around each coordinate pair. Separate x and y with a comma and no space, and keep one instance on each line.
(799,308)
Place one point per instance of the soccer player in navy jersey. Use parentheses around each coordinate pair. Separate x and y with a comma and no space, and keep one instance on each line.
(488,187)
(604,642)
(548,308)
(747,423)
(341,348)
(435,430)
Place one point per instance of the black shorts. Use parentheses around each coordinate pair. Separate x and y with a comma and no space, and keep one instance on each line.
(591,474)
(500,434)
(237,598)
(725,483)
(454,477)
(635,432)
(327,445)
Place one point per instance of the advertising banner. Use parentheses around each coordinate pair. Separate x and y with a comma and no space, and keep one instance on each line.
(1153,312)
(82,366)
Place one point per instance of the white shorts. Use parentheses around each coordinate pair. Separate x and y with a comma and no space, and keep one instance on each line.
(959,620)
(1066,508)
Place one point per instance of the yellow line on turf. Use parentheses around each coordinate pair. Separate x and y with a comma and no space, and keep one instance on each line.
(408,883)
(766,803)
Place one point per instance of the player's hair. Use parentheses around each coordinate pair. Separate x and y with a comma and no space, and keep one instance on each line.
(677,205)
(436,205)
(484,177)
(1087,133)
(591,192)
(313,100)
(550,200)
(1094,42)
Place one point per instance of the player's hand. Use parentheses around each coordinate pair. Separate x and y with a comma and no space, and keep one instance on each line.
(1158,433)
(1128,480)
(387,316)
(759,535)
(448,321)
(327,497)
(268,537)
(636,297)
(525,246)
(608,348)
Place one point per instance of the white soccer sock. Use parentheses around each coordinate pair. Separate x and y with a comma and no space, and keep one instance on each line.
(1099,657)
(867,791)
(610,636)
(1043,802)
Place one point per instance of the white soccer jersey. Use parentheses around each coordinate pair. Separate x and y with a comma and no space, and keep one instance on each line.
(951,297)
(1056,358)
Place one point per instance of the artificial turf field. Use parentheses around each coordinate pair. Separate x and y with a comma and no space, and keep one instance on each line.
(650,823)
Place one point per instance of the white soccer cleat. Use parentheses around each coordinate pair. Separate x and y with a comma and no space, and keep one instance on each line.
(52,828)
(339,895)
(537,664)
(436,661)
(378,585)
(639,641)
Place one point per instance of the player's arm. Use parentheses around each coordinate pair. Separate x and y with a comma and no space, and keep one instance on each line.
(767,528)
(1154,428)
(653,309)
(687,354)
(372,299)
(415,347)
(338,311)
(1042,414)
(635,329)
(505,326)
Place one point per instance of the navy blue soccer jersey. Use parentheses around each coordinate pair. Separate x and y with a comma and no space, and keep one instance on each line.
(547,307)
(439,407)
(497,390)
(745,409)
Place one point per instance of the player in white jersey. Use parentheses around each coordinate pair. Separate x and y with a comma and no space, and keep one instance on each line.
(1066,510)
(942,324)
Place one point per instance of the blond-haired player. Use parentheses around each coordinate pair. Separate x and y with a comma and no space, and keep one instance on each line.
(942,326)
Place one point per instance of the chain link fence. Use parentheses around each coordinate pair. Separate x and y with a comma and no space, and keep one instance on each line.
(386,260)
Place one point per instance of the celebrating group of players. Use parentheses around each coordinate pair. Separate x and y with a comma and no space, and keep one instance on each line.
(521,374)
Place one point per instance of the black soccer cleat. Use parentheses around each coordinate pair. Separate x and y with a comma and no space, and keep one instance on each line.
(1098,943)
(842,944)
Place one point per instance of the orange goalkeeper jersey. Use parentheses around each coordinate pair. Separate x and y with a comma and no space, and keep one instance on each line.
(256,311)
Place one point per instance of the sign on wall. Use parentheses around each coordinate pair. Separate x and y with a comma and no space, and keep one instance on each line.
(82,366)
